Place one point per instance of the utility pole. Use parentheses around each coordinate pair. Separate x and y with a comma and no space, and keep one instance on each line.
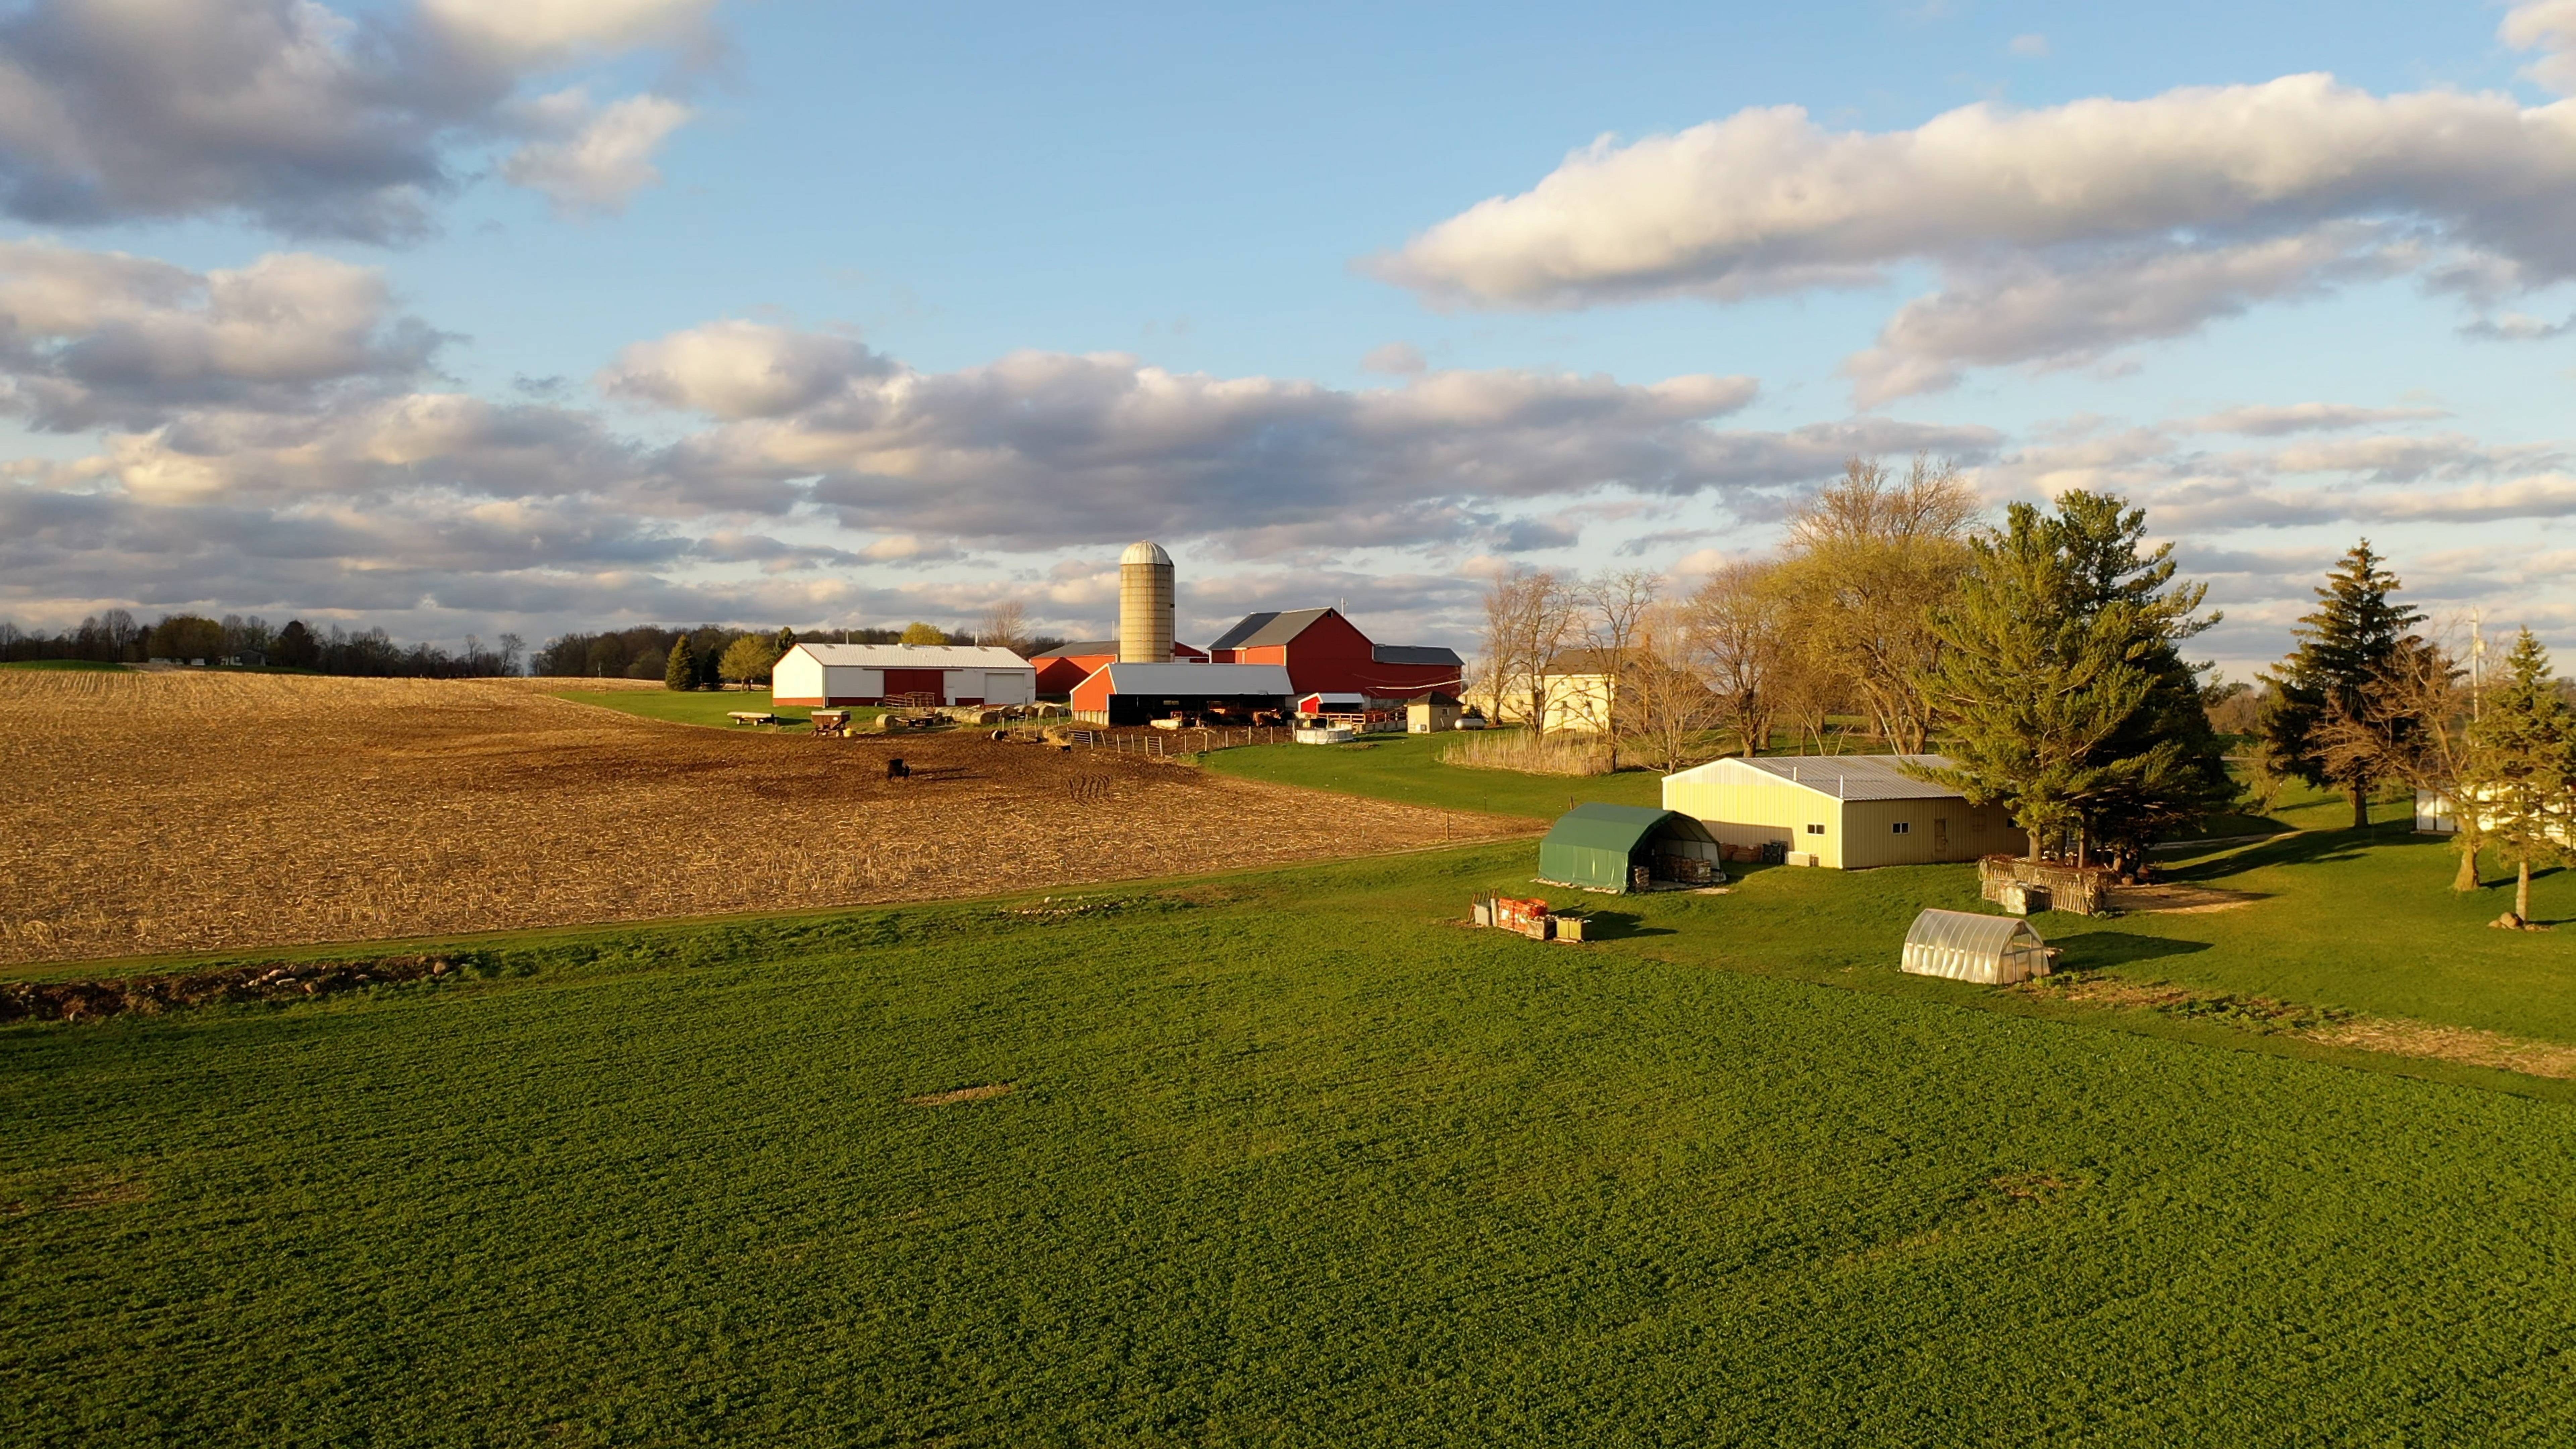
(2477,661)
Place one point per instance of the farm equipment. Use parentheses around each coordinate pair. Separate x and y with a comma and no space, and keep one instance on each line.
(1526,916)
(832,724)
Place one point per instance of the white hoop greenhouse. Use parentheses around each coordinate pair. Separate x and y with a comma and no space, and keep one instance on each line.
(1964,946)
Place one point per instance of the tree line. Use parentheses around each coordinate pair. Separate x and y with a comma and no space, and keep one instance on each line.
(712,656)
(2045,657)
(116,637)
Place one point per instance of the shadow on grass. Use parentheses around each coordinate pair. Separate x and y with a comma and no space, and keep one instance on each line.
(2313,847)
(1620,926)
(2099,949)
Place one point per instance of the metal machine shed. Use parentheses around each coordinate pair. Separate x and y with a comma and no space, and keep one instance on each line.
(1601,847)
(1849,812)
(1964,946)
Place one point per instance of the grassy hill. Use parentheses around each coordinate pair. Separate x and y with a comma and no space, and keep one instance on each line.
(1285,1158)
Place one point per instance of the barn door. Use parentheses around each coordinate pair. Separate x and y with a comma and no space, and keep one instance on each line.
(1940,836)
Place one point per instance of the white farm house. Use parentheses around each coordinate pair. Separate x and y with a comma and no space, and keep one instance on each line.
(826,675)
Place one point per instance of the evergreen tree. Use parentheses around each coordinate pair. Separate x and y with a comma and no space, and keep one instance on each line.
(2030,686)
(2523,748)
(779,646)
(2181,774)
(682,670)
(2338,673)
(2062,690)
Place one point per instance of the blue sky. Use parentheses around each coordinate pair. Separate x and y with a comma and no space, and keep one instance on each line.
(1337,379)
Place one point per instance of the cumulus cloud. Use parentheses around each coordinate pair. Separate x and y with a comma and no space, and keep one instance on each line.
(2061,232)
(736,370)
(95,338)
(303,119)
(1049,448)
(602,157)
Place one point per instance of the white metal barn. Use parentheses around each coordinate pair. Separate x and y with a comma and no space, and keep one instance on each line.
(1846,812)
(1965,946)
(825,675)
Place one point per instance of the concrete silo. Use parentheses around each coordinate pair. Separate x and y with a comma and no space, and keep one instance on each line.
(1144,605)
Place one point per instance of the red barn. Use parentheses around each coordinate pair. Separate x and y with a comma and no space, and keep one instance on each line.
(1066,665)
(1326,652)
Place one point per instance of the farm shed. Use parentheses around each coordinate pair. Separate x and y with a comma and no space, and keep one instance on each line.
(1432,714)
(827,675)
(1131,694)
(1964,946)
(1846,812)
(1602,847)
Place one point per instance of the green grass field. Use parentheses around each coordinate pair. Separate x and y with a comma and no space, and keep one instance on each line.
(1289,1159)
(77,664)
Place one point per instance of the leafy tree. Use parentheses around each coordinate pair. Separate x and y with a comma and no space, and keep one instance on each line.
(746,661)
(2524,748)
(187,636)
(295,647)
(2339,673)
(1868,560)
(2060,687)
(918,632)
(682,670)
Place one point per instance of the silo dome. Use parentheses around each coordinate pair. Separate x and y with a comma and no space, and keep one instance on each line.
(1144,605)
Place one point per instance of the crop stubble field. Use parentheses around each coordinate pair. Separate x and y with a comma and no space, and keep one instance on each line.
(159,813)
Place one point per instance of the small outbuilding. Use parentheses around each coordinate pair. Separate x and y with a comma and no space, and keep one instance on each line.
(831,675)
(1626,847)
(1965,946)
(1432,714)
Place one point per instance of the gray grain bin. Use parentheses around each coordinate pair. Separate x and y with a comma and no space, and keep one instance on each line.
(1964,946)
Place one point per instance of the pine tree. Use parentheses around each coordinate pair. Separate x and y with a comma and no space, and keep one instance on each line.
(2523,748)
(2062,690)
(2337,673)
(682,670)
(2030,687)
(2181,764)
(785,641)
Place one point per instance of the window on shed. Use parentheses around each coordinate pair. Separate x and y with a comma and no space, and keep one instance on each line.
(1901,827)
(1814,829)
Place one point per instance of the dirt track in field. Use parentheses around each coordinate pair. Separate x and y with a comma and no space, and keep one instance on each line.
(152,813)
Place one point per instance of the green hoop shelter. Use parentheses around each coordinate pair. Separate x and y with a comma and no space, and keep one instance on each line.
(1602,847)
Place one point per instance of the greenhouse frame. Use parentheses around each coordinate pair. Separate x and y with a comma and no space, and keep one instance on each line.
(1965,946)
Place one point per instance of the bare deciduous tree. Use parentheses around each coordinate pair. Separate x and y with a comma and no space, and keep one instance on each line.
(1005,624)
(2412,727)
(1528,616)
(1740,637)
(1664,704)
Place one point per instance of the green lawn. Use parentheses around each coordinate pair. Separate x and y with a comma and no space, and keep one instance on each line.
(1290,1159)
(697,707)
(79,664)
(1408,768)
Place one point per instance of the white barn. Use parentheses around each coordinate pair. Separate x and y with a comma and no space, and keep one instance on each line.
(825,675)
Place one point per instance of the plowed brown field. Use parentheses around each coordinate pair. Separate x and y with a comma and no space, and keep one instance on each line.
(149,813)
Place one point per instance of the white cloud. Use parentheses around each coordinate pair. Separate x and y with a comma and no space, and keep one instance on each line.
(605,156)
(2547,26)
(88,338)
(736,370)
(2029,47)
(2272,421)
(526,34)
(2061,233)
(303,119)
